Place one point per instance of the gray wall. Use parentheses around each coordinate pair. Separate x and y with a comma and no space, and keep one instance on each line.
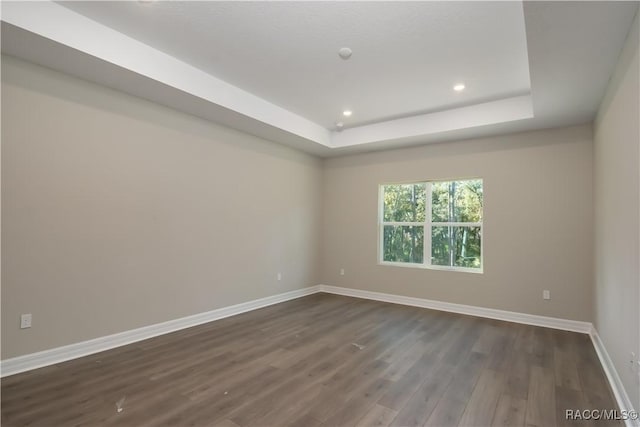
(538,223)
(119,213)
(617,217)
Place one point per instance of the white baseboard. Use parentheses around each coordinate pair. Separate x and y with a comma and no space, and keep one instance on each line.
(619,391)
(509,316)
(73,351)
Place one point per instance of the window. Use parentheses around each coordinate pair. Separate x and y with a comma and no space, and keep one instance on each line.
(435,224)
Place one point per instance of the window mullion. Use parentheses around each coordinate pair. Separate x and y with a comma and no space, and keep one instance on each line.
(381,223)
(457,224)
(403,224)
(427,226)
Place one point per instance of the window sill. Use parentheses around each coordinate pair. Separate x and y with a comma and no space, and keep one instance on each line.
(432,267)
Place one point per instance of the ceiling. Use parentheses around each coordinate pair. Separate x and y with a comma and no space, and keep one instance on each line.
(406,58)
(272,68)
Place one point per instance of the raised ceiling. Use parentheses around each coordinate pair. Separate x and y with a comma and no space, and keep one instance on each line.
(272,68)
(406,57)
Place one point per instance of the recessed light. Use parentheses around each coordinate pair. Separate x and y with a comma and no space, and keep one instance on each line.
(347,113)
(339,126)
(459,87)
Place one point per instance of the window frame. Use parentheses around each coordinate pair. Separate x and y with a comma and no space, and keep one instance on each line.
(428,225)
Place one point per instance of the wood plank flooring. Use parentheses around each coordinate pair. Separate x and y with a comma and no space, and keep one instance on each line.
(323,360)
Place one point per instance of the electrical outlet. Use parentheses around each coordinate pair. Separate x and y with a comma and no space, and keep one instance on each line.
(342,271)
(546,294)
(279,276)
(25,321)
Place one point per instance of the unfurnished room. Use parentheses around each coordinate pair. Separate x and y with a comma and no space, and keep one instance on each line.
(320,213)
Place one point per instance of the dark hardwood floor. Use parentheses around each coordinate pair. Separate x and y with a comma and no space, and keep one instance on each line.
(323,360)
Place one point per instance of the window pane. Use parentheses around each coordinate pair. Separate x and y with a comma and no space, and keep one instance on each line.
(404,203)
(403,243)
(456,246)
(457,201)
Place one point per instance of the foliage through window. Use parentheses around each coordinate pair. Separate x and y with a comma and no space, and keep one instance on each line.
(434,224)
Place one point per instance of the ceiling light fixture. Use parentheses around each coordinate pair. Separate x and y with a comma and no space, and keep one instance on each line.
(459,87)
(347,113)
(339,126)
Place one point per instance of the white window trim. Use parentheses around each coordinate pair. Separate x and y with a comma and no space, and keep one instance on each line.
(427,224)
